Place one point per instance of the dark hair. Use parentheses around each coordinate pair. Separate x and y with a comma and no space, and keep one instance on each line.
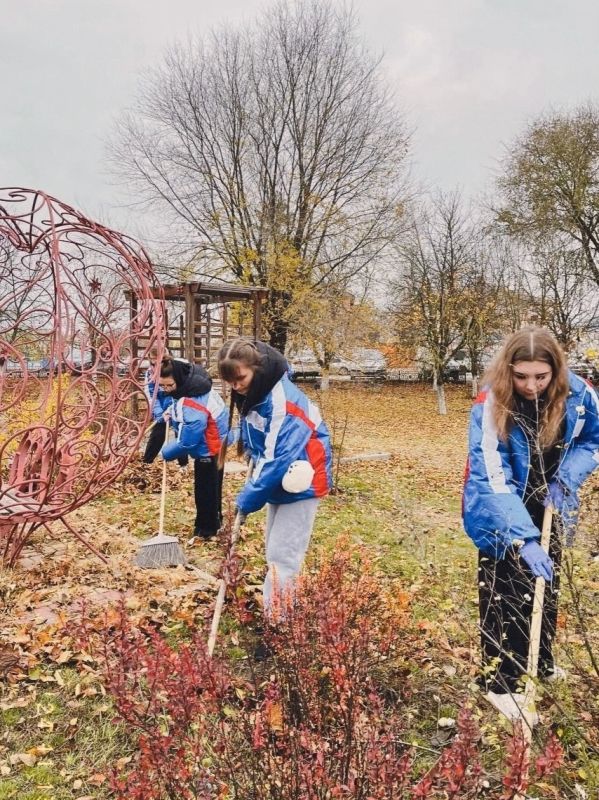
(166,367)
(240,351)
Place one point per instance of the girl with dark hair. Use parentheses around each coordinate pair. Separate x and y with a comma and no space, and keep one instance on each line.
(534,438)
(284,434)
(160,403)
(199,417)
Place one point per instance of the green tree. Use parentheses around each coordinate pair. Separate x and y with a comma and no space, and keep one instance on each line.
(550,183)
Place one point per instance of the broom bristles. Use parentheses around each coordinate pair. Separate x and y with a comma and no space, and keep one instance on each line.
(164,554)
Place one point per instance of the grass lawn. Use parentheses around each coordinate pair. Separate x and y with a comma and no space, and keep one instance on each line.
(57,734)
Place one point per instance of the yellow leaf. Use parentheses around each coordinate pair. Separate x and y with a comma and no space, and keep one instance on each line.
(65,656)
(40,750)
(275,717)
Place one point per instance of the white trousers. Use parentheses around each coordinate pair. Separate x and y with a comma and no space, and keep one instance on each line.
(288,530)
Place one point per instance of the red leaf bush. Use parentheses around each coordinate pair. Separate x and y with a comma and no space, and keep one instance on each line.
(316,722)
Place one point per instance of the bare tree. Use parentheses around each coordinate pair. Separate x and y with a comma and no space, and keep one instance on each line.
(21,296)
(565,299)
(278,147)
(436,260)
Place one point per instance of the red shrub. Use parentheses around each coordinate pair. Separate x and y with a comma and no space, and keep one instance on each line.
(318,725)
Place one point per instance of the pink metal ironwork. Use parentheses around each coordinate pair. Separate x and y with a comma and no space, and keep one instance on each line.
(72,404)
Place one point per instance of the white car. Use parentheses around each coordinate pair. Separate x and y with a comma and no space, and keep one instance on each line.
(364,361)
(304,365)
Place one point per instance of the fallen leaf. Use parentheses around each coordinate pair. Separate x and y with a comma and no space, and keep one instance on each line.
(23,758)
(40,750)
(275,717)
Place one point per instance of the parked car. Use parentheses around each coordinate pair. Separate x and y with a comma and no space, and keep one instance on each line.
(13,369)
(364,362)
(304,365)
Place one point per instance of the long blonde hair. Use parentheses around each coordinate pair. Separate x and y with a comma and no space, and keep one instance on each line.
(529,344)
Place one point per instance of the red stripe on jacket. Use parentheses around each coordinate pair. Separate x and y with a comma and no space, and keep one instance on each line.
(315,451)
(212,434)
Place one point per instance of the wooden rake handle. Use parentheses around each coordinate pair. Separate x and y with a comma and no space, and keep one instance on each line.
(222,589)
(163,489)
(534,645)
(537,607)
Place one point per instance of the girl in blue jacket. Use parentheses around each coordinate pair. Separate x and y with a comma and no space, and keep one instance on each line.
(199,418)
(288,441)
(160,403)
(534,438)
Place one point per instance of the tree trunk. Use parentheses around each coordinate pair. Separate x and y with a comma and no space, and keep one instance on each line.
(276,305)
(325,381)
(474,385)
(441,403)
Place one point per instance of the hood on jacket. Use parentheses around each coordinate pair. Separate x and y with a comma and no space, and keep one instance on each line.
(192,380)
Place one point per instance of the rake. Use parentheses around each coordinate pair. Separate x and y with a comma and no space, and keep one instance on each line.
(161,550)
(222,589)
(528,710)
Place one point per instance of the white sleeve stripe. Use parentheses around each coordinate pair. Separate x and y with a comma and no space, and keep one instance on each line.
(595,397)
(491,455)
(279,410)
(215,403)
(314,414)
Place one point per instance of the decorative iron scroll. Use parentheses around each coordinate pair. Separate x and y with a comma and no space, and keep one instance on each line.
(72,402)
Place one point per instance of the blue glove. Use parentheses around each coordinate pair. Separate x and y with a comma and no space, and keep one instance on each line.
(537,559)
(566,505)
(555,496)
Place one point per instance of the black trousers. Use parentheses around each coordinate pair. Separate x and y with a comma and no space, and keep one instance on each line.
(155,442)
(208,492)
(506,590)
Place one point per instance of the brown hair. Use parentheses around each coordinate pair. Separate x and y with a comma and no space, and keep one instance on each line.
(238,352)
(529,344)
(152,354)
(233,354)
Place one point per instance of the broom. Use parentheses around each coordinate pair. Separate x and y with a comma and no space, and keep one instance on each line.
(161,550)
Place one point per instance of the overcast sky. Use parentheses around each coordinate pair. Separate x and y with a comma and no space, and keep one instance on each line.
(469,74)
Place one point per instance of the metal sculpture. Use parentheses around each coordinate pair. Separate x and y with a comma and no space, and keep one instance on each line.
(72,403)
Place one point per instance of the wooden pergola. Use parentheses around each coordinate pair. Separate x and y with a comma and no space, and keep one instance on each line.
(202,316)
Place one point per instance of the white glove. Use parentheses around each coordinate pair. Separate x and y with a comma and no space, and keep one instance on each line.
(298,477)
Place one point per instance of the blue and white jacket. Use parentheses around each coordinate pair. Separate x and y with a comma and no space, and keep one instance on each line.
(493,509)
(284,427)
(201,425)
